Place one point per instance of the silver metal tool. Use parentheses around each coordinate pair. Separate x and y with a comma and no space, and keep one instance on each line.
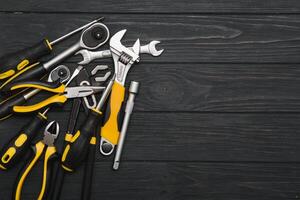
(89,56)
(100,78)
(90,102)
(123,59)
(81,44)
(61,73)
(98,68)
(133,90)
(75,31)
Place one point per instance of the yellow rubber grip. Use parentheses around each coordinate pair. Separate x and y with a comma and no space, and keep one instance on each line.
(39,150)
(59,89)
(54,99)
(7,74)
(23,64)
(110,130)
(18,74)
(49,152)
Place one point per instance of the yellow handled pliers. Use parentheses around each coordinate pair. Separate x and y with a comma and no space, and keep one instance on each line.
(47,147)
(63,93)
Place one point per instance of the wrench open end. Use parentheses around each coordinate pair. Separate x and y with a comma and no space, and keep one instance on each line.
(85,55)
(153,50)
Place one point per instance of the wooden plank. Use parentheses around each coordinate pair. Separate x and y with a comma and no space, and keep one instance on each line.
(212,87)
(155,6)
(187,39)
(199,137)
(174,180)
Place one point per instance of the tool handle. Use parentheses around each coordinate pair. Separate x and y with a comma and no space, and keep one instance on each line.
(113,116)
(50,87)
(89,170)
(6,106)
(50,157)
(60,99)
(17,147)
(16,61)
(38,149)
(60,173)
(33,72)
(76,151)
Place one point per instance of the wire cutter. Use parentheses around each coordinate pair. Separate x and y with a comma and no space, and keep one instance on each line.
(63,94)
(46,146)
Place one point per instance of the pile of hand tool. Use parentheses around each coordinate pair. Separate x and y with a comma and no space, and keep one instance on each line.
(99,91)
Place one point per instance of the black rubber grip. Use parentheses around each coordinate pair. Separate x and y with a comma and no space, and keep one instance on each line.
(89,171)
(17,147)
(77,151)
(31,54)
(120,117)
(36,73)
(6,106)
(58,180)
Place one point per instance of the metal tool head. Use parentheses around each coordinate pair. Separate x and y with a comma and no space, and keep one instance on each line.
(86,55)
(60,73)
(152,48)
(82,91)
(118,48)
(94,36)
(51,133)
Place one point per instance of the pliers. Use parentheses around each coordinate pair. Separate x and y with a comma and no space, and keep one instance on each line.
(63,93)
(47,147)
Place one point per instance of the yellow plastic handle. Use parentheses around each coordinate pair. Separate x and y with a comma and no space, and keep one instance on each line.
(15,75)
(49,153)
(7,74)
(110,130)
(39,147)
(59,89)
(54,99)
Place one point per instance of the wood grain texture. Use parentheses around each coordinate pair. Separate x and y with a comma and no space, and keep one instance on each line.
(217,116)
(200,137)
(165,180)
(154,6)
(187,39)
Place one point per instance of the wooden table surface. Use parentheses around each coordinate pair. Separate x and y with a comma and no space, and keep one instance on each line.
(217,116)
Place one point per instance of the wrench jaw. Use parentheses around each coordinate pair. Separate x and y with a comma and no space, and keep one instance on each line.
(123,57)
(152,48)
(86,55)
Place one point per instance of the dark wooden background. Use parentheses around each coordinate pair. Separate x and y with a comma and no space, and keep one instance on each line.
(218,113)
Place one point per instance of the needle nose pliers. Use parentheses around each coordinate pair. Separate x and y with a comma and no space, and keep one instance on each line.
(62,94)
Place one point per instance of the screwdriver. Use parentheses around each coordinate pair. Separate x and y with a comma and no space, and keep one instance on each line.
(16,148)
(16,61)
(76,151)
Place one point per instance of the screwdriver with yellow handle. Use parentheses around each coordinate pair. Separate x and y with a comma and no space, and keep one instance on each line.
(77,149)
(11,63)
(17,147)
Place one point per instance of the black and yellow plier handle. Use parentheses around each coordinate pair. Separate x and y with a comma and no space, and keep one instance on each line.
(47,147)
(63,93)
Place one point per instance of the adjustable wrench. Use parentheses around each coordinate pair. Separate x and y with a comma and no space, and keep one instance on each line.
(123,59)
(89,56)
